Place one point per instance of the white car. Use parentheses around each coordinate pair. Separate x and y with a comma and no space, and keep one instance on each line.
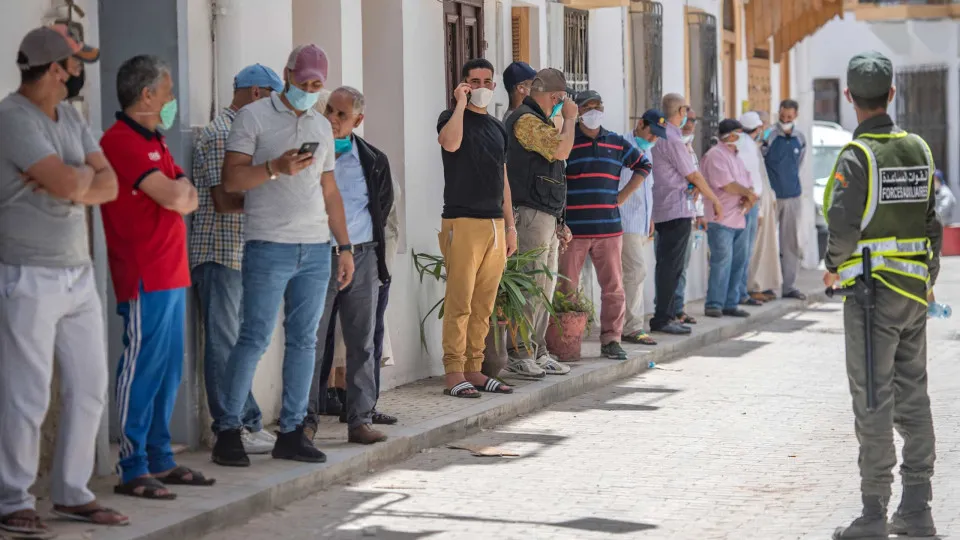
(828,140)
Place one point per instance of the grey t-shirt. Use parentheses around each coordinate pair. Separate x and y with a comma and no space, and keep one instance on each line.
(290,209)
(37,229)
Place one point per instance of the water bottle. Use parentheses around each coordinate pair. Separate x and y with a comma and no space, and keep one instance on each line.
(938,310)
(697,239)
(690,203)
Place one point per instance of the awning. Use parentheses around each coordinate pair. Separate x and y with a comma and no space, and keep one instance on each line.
(786,21)
(594,4)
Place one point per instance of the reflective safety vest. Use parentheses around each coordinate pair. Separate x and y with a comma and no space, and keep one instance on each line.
(900,171)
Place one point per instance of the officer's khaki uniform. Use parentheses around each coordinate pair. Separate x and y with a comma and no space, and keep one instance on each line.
(880,196)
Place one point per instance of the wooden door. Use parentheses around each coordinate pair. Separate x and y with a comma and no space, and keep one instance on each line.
(463,38)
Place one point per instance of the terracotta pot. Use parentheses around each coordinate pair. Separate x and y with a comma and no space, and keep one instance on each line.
(951,241)
(495,356)
(565,335)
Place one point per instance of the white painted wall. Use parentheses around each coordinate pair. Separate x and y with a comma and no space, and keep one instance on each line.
(607,71)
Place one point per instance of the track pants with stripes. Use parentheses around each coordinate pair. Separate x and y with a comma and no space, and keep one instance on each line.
(148,376)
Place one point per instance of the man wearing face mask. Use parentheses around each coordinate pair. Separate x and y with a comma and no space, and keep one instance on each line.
(784,149)
(51,171)
(363,177)
(216,252)
(147,249)
(749,154)
(727,233)
(293,207)
(516,81)
(537,180)
(636,213)
(593,213)
(477,232)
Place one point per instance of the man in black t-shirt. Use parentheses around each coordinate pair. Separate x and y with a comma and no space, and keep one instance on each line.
(477,233)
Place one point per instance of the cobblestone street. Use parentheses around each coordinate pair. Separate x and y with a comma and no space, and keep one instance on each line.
(750,439)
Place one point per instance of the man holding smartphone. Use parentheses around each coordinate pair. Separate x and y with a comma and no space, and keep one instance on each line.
(292,207)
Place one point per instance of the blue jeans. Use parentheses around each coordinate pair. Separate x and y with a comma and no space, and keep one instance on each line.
(753,217)
(728,254)
(297,276)
(219,291)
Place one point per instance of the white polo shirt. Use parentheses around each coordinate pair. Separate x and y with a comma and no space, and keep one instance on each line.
(290,209)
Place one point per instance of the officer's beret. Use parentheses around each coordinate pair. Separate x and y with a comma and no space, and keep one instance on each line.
(869,75)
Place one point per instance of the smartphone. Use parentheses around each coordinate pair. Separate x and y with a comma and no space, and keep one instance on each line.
(309,148)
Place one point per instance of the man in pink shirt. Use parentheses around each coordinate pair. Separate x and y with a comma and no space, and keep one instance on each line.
(727,234)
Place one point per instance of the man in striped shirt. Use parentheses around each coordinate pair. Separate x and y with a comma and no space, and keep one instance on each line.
(593,213)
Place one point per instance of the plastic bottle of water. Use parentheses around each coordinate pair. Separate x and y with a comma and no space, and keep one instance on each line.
(937,310)
(690,203)
(697,239)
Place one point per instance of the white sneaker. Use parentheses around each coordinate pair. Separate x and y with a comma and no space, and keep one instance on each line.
(525,367)
(259,442)
(552,366)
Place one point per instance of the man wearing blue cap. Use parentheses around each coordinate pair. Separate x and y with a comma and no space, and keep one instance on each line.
(216,249)
(516,80)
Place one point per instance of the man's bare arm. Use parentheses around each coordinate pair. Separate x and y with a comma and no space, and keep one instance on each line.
(103,188)
(225,202)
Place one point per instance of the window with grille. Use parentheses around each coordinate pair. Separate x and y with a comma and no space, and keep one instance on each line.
(826,100)
(702,33)
(646,36)
(921,102)
(575,49)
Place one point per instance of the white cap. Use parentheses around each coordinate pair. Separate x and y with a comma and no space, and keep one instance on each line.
(750,121)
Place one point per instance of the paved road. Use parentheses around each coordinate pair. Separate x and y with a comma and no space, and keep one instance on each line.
(750,439)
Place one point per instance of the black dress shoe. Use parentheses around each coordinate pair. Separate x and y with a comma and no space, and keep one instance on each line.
(736,312)
(384,419)
(295,446)
(228,450)
(673,329)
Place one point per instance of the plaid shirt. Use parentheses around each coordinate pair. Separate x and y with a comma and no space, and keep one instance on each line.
(214,237)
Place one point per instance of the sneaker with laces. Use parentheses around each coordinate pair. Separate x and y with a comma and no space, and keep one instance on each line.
(613,351)
(551,366)
(257,442)
(525,367)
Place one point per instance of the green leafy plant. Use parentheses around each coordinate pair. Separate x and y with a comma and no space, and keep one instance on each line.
(574,302)
(518,286)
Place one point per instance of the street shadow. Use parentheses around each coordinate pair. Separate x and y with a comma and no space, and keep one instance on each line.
(731,349)
(787,326)
(615,526)
(380,533)
(618,398)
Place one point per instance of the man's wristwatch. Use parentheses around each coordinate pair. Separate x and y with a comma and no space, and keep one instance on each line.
(273,175)
(346,248)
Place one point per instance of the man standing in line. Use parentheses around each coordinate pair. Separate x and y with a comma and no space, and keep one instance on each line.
(536,173)
(636,214)
(147,248)
(51,171)
(593,213)
(281,153)
(727,234)
(363,177)
(516,81)
(216,252)
(880,197)
(673,213)
(783,151)
(765,276)
(749,154)
(477,233)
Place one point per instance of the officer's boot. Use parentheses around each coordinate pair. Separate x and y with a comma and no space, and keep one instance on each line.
(913,517)
(871,525)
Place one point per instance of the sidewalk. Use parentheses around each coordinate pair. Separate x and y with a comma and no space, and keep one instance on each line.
(427,419)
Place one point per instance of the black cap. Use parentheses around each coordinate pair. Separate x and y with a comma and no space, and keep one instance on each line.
(658,124)
(587,96)
(516,73)
(870,75)
(728,126)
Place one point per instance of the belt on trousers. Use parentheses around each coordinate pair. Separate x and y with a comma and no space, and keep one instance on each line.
(357,248)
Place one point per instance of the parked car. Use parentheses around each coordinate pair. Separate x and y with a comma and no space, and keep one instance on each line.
(828,140)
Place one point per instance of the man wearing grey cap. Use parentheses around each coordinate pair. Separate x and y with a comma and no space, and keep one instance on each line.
(879,197)
(216,251)
(51,170)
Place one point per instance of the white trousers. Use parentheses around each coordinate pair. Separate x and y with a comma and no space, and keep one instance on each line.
(48,313)
(634,272)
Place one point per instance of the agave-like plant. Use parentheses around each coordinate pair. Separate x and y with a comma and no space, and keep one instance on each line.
(518,286)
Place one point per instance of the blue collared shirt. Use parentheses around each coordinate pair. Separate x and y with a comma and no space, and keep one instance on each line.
(637,211)
(356,199)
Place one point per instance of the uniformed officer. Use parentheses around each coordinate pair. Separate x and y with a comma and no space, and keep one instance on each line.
(879,197)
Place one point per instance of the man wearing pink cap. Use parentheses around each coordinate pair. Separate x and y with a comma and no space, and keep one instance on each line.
(280,154)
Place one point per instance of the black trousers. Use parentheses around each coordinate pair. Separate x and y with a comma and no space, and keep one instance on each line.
(671,251)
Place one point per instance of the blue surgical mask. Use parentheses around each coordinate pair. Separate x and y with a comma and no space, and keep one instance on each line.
(342,146)
(683,122)
(300,99)
(556,110)
(644,144)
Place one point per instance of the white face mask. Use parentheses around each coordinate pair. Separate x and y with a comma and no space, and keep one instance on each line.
(687,139)
(786,126)
(481,97)
(592,119)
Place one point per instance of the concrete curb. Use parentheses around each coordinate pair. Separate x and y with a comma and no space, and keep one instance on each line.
(273,490)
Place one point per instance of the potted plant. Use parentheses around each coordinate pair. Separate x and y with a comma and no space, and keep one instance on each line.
(573,318)
(509,319)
